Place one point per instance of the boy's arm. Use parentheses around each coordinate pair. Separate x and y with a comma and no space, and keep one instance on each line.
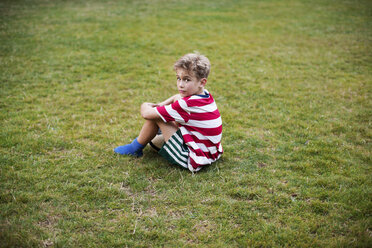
(148,111)
(170,100)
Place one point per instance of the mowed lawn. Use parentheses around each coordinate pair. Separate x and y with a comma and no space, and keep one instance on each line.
(293,83)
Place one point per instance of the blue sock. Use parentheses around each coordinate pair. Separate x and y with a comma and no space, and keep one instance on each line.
(134,149)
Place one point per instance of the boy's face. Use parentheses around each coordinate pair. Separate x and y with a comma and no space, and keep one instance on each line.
(188,84)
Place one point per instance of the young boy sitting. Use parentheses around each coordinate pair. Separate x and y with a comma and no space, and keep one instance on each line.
(189,121)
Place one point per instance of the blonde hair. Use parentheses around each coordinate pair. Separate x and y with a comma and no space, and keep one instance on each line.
(196,63)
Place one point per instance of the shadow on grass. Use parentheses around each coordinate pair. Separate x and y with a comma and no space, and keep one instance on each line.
(151,157)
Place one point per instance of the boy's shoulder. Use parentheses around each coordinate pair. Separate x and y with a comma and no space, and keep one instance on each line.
(198,100)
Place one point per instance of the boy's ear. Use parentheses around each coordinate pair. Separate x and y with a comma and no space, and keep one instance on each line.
(203,82)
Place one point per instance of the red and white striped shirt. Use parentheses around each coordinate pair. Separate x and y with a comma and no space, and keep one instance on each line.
(201,127)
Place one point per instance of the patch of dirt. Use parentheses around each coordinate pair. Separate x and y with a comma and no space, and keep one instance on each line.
(261,164)
(204,226)
(125,187)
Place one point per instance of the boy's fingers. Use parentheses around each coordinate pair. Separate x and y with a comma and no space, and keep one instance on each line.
(152,104)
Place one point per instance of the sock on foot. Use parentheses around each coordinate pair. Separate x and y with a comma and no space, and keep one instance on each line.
(134,149)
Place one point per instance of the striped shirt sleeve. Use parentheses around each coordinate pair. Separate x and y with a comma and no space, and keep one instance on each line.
(174,112)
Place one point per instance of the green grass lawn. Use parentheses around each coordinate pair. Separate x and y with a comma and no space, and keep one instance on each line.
(292,80)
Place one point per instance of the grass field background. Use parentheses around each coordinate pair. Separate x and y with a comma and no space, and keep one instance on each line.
(292,80)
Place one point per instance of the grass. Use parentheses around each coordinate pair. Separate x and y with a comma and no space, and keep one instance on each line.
(292,80)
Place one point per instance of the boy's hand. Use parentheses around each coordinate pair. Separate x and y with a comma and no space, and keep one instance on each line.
(177,97)
(153,105)
(170,100)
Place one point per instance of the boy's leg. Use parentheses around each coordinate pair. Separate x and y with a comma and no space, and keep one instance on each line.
(147,133)
(167,129)
(150,129)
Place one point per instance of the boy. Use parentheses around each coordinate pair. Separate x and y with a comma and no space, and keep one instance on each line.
(189,121)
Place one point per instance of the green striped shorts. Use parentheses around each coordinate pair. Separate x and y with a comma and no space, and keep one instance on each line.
(175,150)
